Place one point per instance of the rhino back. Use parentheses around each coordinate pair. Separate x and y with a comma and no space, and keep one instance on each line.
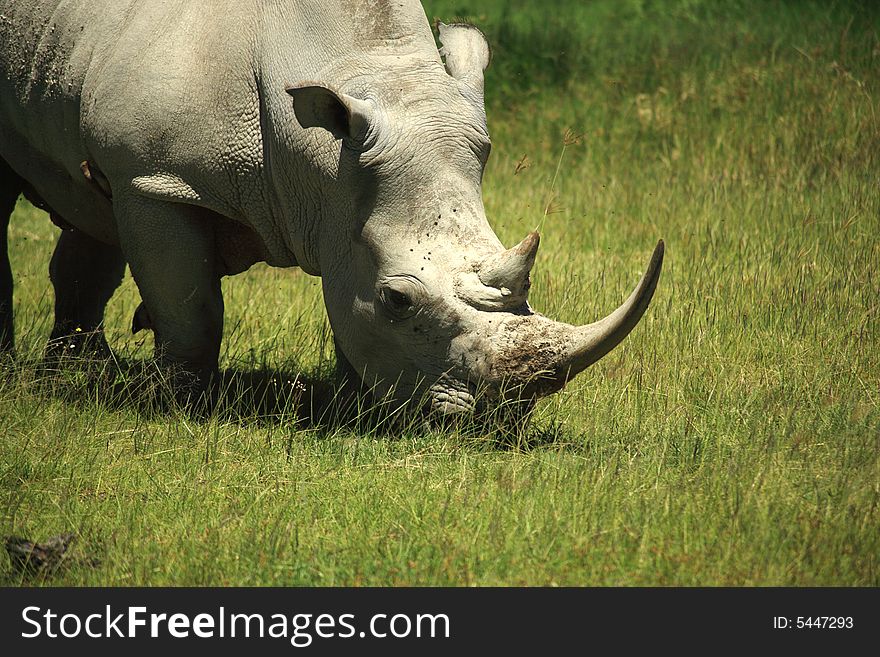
(171,97)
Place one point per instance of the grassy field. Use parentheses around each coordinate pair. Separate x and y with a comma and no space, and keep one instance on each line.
(732,439)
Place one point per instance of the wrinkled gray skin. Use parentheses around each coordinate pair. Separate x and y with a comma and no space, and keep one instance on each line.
(194,139)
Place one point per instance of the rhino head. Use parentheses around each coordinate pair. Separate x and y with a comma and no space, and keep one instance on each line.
(425,302)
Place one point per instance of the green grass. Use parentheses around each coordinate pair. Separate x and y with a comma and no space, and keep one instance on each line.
(732,439)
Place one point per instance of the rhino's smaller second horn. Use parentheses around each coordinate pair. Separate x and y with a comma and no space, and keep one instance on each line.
(509,271)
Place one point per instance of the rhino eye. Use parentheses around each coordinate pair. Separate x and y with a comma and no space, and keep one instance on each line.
(398,299)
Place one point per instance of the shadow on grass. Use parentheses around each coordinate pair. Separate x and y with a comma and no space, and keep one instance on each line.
(316,401)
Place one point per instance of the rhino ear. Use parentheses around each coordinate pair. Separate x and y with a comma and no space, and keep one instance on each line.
(466,52)
(344,116)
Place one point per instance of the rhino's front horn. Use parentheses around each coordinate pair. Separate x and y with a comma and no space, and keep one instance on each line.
(509,271)
(589,343)
(544,355)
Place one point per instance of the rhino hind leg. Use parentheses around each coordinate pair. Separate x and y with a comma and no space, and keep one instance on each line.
(10,187)
(85,273)
(171,250)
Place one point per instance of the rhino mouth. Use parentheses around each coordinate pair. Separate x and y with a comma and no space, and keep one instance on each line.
(449,396)
(455,397)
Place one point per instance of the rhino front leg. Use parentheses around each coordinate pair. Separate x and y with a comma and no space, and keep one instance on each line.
(10,187)
(170,248)
(85,273)
(345,373)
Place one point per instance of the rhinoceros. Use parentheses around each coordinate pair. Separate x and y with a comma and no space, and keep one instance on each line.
(191,140)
